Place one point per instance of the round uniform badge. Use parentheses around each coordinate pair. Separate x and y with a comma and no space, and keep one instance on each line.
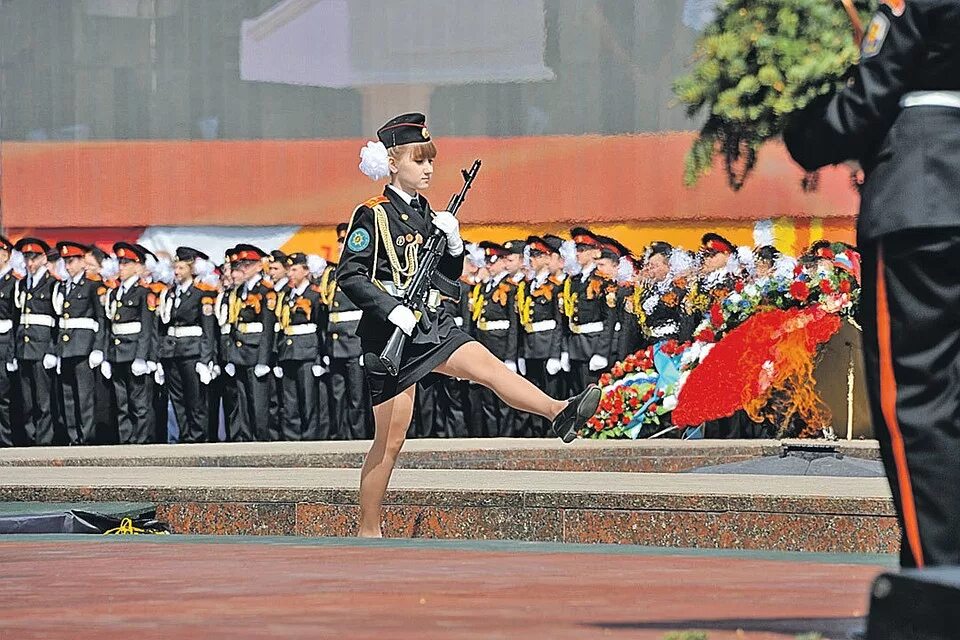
(359,240)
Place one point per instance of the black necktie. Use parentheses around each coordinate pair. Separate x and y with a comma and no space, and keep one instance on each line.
(415,205)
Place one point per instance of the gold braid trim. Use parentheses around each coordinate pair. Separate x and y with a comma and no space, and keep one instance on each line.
(402,275)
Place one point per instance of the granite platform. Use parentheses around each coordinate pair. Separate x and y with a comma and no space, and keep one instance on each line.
(782,513)
(656,456)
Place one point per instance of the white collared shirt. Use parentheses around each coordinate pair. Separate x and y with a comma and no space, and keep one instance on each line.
(299,290)
(251,283)
(495,280)
(281,283)
(586,272)
(126,285)
(407,198)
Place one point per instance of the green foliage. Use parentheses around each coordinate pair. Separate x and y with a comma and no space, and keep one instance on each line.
(685,635)
(755,65)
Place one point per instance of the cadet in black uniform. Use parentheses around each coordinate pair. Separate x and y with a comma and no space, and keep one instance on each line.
(380,257)
(590,312)
(900,118)
(658,304)
(10,418)
(36,342)
(350,411)
(300,352)
(251,307)
(82,342)
(131,312)
(188,345)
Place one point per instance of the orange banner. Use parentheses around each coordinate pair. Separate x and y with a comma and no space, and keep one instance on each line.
(528,180)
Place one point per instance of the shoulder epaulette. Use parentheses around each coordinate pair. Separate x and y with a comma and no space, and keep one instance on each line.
(93,277)
(374,201)
(269,284)
(156,287)
(203,286)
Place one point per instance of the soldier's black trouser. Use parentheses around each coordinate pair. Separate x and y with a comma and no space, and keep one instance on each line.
(910,314)
(10,418)
(250,418)
(498,420)
(188,397)
(135,405)
(450,411)
(78,385)
(424,411)
(349,402)
(580,376)
(533,425)
(299,401)
(37,387)
(105,409)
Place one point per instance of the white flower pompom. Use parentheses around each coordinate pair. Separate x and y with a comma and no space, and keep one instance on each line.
(475,255)
(783,267)
(568,251)
(374,161)
(747,260)
(206,272)
(625,272)
(160,270)
(110,268)
(682,263)
(316,265)
(61,270)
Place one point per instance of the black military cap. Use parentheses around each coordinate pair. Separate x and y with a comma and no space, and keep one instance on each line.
(342,229)
(493,250)
(53,254)
(611,249)
(244,252)
(128,251)
(540,246)
(404,129)
(70,249)
(658,248)
(712,243)
(278,256)
(98,254)
(186,254)
(5,244)
(584,238)
(767,253)
(514,246)
(147,252)
(296,258)
(28,246)
(554,242)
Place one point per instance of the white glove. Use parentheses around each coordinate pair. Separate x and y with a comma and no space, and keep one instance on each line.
(158,376)
(326,360)
(49,361)
(139,367)
(205,373)
(230,369)
(106,370)
(403,317)
(597,362)
(95,359)
(565,361)
(261,370)
(318,370)
(13,365)
(522,366)
(215,371)
(448,223)
(511,365)
(553,366)
(151,365)
(278,372)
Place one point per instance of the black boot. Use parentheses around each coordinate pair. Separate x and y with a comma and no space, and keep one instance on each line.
(574,416)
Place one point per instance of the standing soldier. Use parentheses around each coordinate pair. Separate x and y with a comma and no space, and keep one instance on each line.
(590,312)
(82,342)
(300,352)
(350,413)
(658,303)
(899,116)
(277,274)
(36,342)
(277,270)
(9,318)
(542,327)
(251,315)
(222,387)
(188,344)
(131,310)
(105,407)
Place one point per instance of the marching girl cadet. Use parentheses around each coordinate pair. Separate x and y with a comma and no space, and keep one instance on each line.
(379,259)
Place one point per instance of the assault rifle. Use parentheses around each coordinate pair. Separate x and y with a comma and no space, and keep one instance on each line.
(426,277)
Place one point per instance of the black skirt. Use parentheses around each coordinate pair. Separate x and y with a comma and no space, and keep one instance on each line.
(420,357)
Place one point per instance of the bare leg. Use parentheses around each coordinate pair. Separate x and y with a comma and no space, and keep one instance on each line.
(391,419)
(474,362)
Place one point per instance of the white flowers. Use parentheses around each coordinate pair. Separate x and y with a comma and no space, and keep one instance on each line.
(374,161)
(316,265)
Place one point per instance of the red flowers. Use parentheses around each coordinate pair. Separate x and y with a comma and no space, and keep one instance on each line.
(707,335)
(845,286)
(800,291)
(826,287)
(738,286)
(716,314)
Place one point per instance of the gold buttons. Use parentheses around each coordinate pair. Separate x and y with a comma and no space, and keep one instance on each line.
(116,341)
(66,305)
(289,341)
(336,336)
(404,216)
(66,338)
(66,315)
(239,344)
(29,296)
(26,338)
(336,304)
(116,317)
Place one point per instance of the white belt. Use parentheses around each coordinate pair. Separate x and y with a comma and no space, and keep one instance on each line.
(40,319)
(458,321)
(664,330)
(250,327)
(5,326)
(493,325)
(126,328)
(590,327)
(931,99)
(192,331)
(542,325)
(346,316)
(79,323)
(300,329)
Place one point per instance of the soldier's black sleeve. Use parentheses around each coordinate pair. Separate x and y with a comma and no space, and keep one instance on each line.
(209,327)
(318,316)
(513,335)
(451,266)
(267,347)
(101,340)
(356,266)
(849,124)
(556,336)
(148,329)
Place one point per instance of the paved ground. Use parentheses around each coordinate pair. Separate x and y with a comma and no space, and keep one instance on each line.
(187,587)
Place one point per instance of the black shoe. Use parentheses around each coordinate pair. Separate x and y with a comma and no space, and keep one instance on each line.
(574,416)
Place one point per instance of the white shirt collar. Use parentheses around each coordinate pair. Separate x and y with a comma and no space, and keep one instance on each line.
(252,282)
(587,270)
(303,287)
(403,194)
(183,286)
(497,279)
(77,278)
(36,278)
(281,283)
(129,282)
(540,277)
(7,268)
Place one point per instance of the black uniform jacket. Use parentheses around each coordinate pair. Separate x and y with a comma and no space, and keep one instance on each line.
(252,320)
(342,318)
(911,156)
(591,316)
(9,315)
(301,319)
(365,259)
(181,323)
(79,307)
(137,306)
(37,332)
(495,316)
(538,302)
